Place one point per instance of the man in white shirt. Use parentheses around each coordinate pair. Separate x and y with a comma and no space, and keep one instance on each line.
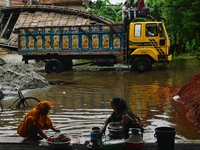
(125,11)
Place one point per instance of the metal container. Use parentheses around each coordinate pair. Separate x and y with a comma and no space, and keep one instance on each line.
(116,132)
(96,133)
(135,135)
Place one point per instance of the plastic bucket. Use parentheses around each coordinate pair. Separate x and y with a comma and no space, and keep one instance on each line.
(165,138)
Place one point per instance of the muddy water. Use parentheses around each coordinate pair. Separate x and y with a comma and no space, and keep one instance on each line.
(81,98)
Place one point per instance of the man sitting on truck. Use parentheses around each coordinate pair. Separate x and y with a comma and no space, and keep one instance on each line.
(146,10)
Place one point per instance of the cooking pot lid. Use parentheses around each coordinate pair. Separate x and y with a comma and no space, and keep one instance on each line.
(115,127)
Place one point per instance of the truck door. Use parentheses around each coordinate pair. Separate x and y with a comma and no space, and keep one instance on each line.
(156,40)
(135,36)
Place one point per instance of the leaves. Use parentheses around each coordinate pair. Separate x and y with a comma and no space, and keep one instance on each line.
(107,10)
(183,22)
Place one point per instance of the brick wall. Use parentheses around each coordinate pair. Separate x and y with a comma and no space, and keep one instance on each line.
(41,2)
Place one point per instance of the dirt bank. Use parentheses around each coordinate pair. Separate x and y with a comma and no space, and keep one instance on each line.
(189,95)
(19,75)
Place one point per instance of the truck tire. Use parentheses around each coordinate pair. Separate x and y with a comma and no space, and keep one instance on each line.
(53,66)
(141,64)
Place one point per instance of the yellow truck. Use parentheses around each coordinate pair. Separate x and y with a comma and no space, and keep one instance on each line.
(139,45)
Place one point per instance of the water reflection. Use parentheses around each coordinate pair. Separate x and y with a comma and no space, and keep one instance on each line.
(83,101)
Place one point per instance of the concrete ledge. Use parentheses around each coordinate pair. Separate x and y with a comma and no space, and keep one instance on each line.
(11,140)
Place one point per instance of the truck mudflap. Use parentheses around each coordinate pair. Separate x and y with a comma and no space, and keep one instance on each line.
(169,58)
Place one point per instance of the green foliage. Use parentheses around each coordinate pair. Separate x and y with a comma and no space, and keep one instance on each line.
(156,11)
(183,23)
(107,10)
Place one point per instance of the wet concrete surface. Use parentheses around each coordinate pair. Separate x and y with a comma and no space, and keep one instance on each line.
(17,144)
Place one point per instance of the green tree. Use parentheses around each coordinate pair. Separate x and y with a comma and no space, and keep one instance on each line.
(183,24)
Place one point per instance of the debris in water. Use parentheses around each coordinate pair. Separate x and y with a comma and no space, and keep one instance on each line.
(176,97)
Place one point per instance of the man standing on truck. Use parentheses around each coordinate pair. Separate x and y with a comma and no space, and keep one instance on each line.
(125,10)
(132,12)
(125,16)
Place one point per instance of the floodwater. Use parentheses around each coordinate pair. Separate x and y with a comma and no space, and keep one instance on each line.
(80,99)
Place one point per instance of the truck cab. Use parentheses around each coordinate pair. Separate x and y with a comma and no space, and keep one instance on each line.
(148,42)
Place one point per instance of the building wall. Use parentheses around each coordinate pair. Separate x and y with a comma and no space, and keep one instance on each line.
(78,3)
(2,2)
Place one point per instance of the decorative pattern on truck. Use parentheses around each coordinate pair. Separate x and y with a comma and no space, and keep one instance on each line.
(39,39)
(105,41)
(39,42)
(152,42)
(72,40)
(47,42)
(157,47)
(56,38)
(30,42)
(95,41)
(85,41)
(23,42)
(116,41)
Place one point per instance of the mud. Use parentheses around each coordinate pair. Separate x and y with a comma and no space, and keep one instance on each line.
(19,76)
(189,96)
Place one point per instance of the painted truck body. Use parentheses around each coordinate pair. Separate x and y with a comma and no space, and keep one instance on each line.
(105,45)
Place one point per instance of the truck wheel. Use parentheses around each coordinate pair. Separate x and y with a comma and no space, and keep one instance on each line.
(141,64)
(53,66)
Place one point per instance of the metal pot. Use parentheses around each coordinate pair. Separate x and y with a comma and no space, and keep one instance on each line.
(135,135)
(135,131)
(116,132)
